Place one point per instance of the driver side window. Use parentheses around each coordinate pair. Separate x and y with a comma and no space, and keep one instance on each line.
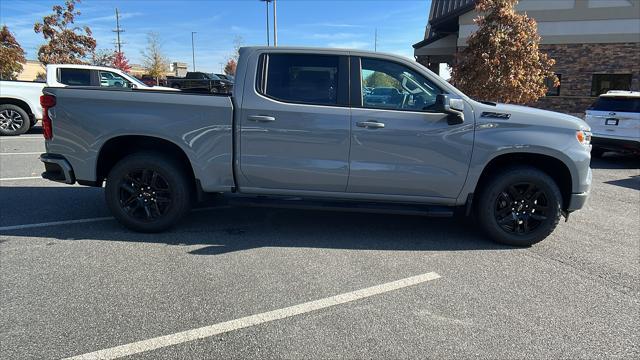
(388,85)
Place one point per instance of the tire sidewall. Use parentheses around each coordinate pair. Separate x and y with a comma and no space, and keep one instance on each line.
(26,124)
(172,173)
(485,209)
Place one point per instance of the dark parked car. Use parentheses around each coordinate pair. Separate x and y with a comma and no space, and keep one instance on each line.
(226,77)
(383,96)
(151,81)
(201,82)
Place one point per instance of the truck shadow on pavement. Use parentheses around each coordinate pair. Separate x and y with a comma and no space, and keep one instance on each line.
(223,230)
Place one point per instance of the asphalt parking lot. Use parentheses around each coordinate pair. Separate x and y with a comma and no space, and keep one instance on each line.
(273,283)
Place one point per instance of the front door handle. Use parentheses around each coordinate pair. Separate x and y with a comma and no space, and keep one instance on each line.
(261,118)
(370,124)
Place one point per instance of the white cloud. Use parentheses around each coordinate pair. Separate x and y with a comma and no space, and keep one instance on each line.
(110,18)
(349,45)
(338,25)
(335,36)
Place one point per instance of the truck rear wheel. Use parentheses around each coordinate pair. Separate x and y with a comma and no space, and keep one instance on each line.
(13,120)
(520,206)
(147,193)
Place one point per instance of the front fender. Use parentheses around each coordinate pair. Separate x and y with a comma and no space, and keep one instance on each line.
(499,138)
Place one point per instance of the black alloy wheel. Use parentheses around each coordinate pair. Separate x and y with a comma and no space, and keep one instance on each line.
(521,208)
(145,194)
(520,205)
(149,192)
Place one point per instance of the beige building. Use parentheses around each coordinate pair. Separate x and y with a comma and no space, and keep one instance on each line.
(30,70)
(596,44)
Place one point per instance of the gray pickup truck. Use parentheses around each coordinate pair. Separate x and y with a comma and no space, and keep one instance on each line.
(298,132)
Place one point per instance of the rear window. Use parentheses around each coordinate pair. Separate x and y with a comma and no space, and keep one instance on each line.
(616,104)
(75,77)
(308,79)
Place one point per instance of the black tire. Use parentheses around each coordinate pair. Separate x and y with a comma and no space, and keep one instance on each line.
(153,204)
(176,86)
(13,120)
(597,152)
(524,190)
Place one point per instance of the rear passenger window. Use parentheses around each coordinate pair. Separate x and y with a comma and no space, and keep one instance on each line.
(75,77)
(308,79)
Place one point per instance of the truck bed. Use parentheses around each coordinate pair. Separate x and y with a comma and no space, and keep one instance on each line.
(200,124)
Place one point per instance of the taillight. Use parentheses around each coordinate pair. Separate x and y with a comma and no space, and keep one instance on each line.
(47,102)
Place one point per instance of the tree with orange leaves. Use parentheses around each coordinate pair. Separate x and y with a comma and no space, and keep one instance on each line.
(67,44)
(121,62)
(502,61)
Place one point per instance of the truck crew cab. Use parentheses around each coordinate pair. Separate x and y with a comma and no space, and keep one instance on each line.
(299,130)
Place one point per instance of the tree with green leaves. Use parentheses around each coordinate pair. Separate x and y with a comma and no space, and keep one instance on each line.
(66,43)
(155,63)
(502,61)
(379,79)
(11,55)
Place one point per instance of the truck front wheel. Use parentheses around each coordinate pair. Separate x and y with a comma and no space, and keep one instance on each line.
(147,193)
(519,206)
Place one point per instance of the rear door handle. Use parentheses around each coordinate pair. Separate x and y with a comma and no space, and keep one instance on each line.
(261,118)
(370,124)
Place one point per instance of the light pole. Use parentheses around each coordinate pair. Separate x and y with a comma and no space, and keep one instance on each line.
(266,2)
(275,25)
(275,22)
(193,51)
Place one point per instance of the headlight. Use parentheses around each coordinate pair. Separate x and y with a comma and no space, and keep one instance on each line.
(583,137)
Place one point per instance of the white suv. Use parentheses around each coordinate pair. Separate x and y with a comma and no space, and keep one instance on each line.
(615,122)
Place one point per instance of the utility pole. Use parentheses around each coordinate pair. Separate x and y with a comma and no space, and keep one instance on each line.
(375,41)
(275,25)
(193,51)
(118,30)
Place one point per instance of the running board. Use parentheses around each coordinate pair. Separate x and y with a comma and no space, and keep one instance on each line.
(345,206)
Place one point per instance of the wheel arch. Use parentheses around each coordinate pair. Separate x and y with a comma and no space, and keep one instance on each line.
(116,148)
(17,102)
(553,166)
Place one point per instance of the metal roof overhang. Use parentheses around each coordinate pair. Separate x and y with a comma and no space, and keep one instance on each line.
(445,46)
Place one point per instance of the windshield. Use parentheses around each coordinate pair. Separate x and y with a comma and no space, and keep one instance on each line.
(135,80)
(213,76)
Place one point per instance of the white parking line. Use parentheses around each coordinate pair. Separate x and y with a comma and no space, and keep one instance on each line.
(54,223)
(22,137)
(253,320)
(21,178)
(22,153)
(87,220)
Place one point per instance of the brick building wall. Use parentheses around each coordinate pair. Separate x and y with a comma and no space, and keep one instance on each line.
(577,63)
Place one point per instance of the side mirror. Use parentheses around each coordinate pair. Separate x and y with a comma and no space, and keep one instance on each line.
(453,107)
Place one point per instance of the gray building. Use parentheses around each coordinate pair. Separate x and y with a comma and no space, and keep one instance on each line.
(596,44)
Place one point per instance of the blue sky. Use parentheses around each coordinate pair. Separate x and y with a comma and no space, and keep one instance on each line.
(348,23)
